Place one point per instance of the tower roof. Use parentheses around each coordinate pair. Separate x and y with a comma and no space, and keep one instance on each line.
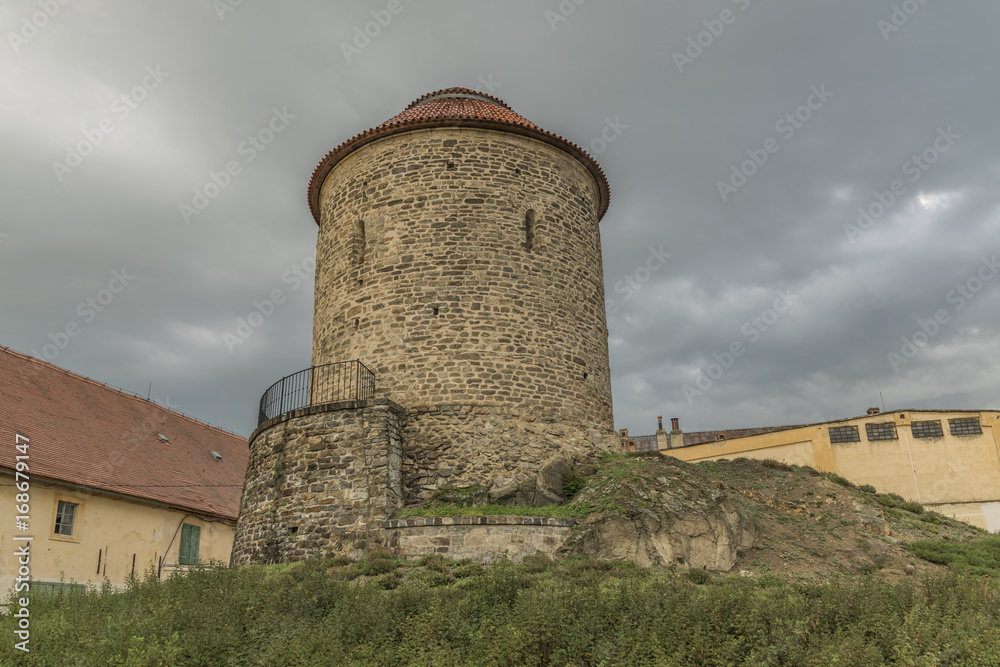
(457,107)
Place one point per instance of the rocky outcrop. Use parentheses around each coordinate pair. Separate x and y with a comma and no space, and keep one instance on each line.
(653,514)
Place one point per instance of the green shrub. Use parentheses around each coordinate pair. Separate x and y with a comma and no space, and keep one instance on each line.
(700,576)
(837,479)
(867,488)
(374,566)
(977,558)
(435,562)
(777,465)
(471,570)
(889,499)
(915,508)
(571,484)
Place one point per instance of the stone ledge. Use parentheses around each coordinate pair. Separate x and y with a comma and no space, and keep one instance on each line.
(325,407)
(489,520)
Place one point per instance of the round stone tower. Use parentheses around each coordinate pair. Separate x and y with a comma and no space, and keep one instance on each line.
(459,257)
(459,336)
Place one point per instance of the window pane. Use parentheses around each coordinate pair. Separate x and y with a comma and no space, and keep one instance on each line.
(927,430)
(965,426)
(65,512)
(844,434)
(886,431)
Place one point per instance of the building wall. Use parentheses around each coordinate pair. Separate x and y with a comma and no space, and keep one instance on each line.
(319,481)
(956,475)
(107,528)
(442,298)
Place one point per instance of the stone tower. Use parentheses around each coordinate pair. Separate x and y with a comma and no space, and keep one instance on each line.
(459,259)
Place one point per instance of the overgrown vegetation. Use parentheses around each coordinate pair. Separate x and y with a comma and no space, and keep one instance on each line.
(382,611)
(978,558)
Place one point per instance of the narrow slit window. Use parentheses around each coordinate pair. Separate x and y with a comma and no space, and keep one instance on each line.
(359,243)
(529,229)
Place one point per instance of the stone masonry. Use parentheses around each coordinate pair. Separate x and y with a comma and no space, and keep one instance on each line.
(498,351)
(458,257)
(318,480)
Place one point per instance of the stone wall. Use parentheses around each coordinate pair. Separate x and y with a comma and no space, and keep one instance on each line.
(480,538)
(320,480)
(464,267)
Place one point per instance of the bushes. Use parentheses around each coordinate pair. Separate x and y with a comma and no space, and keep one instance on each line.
(837,479)
(977,558)
(890,499)
(575,611)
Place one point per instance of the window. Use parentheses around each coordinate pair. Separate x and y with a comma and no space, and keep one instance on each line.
(65,515)
(844,434)
(965,426)
(190,536)
(927,430)
(884,431)
(529,229)
(360,242)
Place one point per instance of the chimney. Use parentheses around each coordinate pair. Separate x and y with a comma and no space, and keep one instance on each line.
(676,434)
(662,441)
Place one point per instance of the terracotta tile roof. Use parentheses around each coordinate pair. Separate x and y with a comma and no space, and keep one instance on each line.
(456,107)
(85,433)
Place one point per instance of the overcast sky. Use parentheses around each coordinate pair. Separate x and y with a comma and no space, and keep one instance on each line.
(744,137)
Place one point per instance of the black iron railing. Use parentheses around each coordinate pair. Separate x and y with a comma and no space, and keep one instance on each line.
(341,381)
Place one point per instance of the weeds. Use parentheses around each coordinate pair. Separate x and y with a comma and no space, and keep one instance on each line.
(574,611)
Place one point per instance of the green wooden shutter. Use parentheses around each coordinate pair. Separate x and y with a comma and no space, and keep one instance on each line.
(190,536)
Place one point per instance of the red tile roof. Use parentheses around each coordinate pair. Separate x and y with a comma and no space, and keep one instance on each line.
(456,107)
(84,433)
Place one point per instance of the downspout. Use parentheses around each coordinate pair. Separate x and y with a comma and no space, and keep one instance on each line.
(912,469)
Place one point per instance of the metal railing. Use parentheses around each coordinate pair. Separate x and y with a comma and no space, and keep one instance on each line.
(330,383)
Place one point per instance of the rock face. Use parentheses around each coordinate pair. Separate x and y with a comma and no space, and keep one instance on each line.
(656,516)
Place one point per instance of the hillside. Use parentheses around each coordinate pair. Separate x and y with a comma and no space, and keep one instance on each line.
(824,580)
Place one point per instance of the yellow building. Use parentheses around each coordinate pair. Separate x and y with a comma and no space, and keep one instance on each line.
(98,484)
(947,460)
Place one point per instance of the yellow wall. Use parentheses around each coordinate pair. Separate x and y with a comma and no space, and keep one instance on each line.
(115,527)
(956,475)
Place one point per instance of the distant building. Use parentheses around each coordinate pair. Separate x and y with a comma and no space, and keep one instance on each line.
(116,483)
(947,460)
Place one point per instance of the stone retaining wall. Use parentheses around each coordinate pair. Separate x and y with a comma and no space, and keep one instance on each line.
(480,538)
(320,480)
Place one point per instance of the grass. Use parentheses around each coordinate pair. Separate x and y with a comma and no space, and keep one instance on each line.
(978,557)
(573,612)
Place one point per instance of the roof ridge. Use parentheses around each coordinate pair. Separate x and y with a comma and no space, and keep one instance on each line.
(105,385)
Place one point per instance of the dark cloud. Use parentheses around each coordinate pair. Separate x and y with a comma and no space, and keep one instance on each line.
(855,296)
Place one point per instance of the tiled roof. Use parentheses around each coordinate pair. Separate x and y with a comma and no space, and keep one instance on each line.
(456,107)
(84,433)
